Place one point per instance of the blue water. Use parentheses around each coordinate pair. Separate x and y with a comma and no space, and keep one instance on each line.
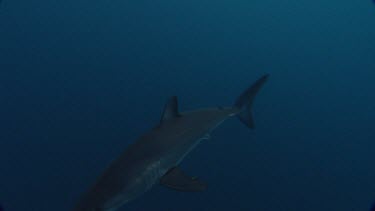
(80,80)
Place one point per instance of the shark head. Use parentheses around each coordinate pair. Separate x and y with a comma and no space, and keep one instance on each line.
(93,202)
(88,206)
(84,205)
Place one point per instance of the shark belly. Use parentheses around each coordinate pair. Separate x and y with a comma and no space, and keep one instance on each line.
(156,168)
(136,186)
(135,182)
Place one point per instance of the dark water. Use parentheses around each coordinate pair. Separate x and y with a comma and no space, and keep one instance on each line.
(80,80)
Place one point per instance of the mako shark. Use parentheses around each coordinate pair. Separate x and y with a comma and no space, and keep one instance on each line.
(154,158)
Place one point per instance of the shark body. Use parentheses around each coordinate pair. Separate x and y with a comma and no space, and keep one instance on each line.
(155,156)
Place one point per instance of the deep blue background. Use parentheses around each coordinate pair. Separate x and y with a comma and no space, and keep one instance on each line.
(80,80)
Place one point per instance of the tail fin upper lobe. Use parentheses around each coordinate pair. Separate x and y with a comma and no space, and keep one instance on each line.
(245,101)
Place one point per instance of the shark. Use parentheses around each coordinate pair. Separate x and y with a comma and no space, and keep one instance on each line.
(155,157)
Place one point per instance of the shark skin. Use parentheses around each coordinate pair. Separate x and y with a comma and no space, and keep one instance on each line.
(155,156)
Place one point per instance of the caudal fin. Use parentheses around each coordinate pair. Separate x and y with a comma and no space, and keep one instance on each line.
(245,101)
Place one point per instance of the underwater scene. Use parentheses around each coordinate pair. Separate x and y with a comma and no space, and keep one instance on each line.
(258,105)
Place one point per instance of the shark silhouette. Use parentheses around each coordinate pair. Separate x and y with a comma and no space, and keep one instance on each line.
(155,156)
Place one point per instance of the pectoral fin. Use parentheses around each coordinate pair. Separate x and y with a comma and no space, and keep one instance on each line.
(177,179)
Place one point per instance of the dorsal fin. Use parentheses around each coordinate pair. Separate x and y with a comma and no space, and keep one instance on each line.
(170,109)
